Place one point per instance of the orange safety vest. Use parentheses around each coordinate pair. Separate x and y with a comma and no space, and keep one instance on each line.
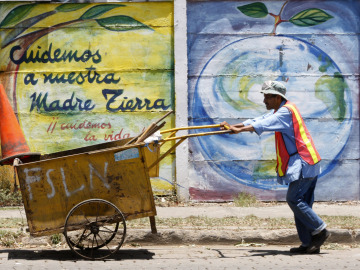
(304,143)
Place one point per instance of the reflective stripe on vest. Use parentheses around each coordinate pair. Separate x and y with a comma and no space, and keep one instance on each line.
(304,143)
(283,160)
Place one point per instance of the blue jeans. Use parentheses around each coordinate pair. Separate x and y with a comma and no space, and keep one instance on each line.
(300,198)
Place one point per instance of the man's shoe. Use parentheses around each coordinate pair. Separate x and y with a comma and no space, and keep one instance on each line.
(317,240)
(303,250)
(299,250)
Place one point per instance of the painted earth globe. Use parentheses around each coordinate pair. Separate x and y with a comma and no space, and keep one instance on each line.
(228,88)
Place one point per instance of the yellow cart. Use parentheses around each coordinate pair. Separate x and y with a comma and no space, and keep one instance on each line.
(88,193)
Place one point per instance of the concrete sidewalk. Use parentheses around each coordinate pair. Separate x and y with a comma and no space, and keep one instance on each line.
(225,235)
(277,211)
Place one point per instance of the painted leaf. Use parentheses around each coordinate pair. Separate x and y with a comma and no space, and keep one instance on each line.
(70,7)
(254,10)
(310,17)
(23,26)
(17,14)
(331,90)
(98,10)
(121,23)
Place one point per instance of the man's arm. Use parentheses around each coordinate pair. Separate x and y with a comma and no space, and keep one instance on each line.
(237,128)
(225,125)
(243,128)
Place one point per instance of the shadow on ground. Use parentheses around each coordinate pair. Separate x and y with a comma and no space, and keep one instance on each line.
(270,252)
(68,255)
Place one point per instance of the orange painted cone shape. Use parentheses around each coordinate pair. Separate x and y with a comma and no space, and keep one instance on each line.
(13,143)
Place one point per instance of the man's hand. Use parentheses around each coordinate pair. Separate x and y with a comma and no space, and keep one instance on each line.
(224,125)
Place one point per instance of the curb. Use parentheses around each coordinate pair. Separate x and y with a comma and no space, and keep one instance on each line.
(213,237)
(274,237)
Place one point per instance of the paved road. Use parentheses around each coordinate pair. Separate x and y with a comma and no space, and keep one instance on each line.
(185,257)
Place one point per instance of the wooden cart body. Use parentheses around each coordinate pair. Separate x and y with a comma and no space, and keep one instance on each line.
(114,172)
(87,193)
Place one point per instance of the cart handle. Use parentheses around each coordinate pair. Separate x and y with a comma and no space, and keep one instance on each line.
(174,130)
(184,137)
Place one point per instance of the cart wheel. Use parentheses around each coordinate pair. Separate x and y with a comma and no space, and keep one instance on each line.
(91,225)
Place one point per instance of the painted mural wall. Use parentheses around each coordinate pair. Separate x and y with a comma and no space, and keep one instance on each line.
(310,46)
(79,74)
